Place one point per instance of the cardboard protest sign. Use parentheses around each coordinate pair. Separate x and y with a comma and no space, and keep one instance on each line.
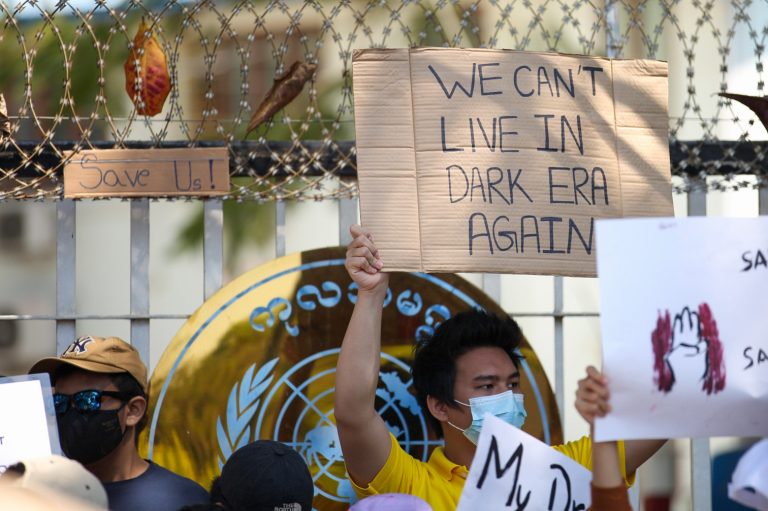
(147,172)
(30,431)
(501,161)
(513,470)
(684,314)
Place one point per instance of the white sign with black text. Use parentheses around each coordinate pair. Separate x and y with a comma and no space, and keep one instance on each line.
(26,432)
(513,470)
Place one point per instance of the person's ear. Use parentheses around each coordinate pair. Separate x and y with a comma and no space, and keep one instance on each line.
(136,408)
(437,408)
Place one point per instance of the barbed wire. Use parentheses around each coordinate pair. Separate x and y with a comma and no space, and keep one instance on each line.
(64,85)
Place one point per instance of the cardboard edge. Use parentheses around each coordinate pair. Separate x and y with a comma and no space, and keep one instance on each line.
(415,167)
(619,166)
(630,208)
(372,55)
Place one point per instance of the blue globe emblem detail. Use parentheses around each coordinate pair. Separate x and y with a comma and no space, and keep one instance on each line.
(312,430)
(258,361)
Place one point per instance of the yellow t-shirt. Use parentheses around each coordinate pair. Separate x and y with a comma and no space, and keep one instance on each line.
(439,481)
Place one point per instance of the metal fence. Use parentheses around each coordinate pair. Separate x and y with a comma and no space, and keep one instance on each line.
(63,84)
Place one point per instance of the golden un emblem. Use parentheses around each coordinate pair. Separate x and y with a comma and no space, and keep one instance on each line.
(258,360)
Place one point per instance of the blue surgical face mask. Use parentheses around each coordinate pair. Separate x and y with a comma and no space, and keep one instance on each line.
(507,406)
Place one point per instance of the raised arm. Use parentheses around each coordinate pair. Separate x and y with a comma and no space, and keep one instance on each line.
(364,436)
(592,399)
(606,472)
(609,492)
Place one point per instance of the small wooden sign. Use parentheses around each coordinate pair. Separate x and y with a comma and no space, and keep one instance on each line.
(147,172)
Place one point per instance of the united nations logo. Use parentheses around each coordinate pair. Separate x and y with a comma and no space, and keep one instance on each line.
(258,360)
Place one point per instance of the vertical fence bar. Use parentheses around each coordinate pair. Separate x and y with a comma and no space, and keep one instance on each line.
(697,201)
(613,29)
(140,277)
(347,217)
(612,50)
(492,286)
(701,470)
(559,348)
(213,246)
(279,228)
(66,294)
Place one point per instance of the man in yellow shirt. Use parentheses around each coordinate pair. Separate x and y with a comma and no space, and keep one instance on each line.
(468,368)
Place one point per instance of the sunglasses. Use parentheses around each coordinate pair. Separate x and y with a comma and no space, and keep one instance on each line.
(85,400)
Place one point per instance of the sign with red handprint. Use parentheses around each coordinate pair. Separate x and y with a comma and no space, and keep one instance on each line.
(684,314)
(691,338)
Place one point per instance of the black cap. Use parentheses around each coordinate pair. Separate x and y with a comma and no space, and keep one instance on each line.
(265,475)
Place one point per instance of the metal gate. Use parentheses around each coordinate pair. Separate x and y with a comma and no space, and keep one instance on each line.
(218,52)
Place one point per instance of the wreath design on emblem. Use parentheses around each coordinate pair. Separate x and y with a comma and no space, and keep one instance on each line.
(243,402)
(319,445)
(291,400)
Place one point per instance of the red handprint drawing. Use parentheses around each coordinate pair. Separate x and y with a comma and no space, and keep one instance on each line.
(691,338)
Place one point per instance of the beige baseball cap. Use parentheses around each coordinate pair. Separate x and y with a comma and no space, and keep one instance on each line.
(60,475)
(98,355)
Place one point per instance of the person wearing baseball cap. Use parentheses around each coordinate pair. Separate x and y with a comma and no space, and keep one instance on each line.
(264,475)
(101,404)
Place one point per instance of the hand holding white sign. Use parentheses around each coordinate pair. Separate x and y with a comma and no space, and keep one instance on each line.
(513,470)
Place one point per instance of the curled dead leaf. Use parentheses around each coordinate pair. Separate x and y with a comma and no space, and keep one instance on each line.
(757,104)
(5,123)
(147,79)
(282,92)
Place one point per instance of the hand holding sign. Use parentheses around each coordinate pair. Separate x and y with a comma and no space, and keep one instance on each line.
(363,262)
(592,396)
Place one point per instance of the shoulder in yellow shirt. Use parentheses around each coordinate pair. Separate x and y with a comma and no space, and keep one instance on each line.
(580,451)
(439,481)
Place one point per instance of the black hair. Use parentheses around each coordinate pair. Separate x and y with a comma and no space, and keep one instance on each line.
(434,362)
(126,383)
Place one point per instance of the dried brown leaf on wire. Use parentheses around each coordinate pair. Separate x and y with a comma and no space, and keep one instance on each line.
(147,79)
(282,92)
(757,104)
(5,123)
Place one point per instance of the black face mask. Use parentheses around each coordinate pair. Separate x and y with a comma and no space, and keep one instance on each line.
(89,436)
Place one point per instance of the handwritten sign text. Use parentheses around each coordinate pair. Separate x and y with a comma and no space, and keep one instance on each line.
(151,172)
(513,470)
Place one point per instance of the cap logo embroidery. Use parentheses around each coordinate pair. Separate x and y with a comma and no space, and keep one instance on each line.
(78,347)
(293,506)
